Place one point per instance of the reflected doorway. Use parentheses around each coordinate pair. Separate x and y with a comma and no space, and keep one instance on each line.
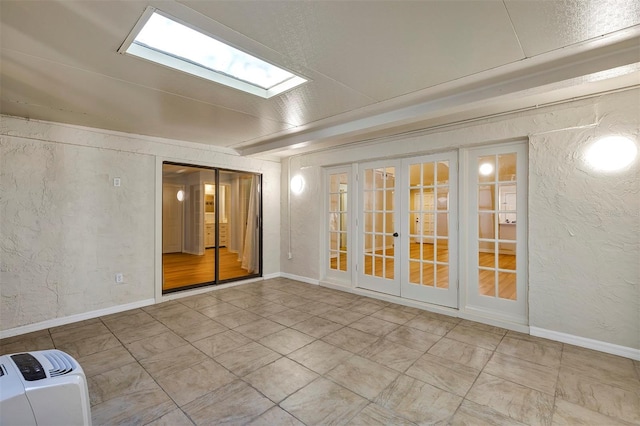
(210,226)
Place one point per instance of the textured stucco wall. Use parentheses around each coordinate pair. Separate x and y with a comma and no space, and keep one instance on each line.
(586,284)
(65,230)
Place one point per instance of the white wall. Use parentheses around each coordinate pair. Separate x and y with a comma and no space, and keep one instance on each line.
(584,227)
(65,230)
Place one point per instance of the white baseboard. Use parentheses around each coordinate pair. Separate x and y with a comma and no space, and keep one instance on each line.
(56,322)
(271,276)
(299,278)
(584,342)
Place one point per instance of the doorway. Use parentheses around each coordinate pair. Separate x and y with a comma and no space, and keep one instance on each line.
(408,236)
(211,224)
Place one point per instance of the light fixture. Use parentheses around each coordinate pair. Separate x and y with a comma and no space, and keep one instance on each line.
(297,184)
(180,195)
(486,169)
(163,39)
(611,153)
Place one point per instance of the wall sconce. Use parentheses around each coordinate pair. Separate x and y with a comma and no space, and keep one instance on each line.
(180,195)
(611,153)
(297,184)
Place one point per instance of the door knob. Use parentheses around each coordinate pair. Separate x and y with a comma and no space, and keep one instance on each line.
(395,234)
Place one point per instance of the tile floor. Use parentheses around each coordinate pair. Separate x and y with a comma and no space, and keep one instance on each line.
(281,352)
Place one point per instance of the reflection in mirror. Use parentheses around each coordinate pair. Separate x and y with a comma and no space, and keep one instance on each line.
(212,235)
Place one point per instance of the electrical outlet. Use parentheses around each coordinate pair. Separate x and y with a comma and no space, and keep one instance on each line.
(119,278)
(116,181)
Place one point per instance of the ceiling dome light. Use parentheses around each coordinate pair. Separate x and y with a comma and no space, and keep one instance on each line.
(486,169)
(297,184)
(611,153)
(180,195)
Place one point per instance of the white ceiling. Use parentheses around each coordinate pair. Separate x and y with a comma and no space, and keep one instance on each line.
(376,67)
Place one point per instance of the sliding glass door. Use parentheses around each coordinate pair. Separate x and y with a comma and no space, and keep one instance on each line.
(211,222)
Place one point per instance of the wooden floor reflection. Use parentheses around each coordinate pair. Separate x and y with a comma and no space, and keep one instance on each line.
(183,269)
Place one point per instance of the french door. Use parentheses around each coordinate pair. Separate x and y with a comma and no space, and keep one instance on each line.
(407,228)
(496,220)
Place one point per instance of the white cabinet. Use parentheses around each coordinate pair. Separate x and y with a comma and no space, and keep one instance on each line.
(210,235)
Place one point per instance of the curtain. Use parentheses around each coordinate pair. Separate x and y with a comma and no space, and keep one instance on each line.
(250,252)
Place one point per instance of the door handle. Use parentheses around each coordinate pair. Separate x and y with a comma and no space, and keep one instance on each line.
(395,234)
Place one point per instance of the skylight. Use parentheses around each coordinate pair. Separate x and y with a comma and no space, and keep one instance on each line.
(168,42)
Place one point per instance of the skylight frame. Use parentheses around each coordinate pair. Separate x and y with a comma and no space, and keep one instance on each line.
(131,47)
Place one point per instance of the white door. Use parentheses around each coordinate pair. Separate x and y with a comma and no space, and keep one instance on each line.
(429,229)
(496,260)
(171,218)
(378,229)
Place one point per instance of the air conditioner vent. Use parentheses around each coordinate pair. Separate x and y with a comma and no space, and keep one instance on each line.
(61,362)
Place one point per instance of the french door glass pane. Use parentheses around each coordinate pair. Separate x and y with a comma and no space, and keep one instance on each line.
(497,190)
(338,220)
(379,226)
(428,219)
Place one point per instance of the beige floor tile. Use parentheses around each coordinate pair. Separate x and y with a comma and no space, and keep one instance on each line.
(260,328)
(247,358)
(529,374)
(235,403)
(68,335)
(341,316)
(443,373)
(186,318)
(289,317)
(316,308)
(133,333)
(286,341)
(236,319)
(431,325)
(365,307)
(74,325)
(222,342)
(591,393)
(121,381)
(462,353)
(391,354)
(413,338)
(100,362)
(323,402)
(375,326)
(375,415)
(172,418)
(534,339)
(220,309)
(472,414)
(200,330)
(362,376)
(199,301)
(532,351)
(163,308)
(320,356)
(317,327)
(417,401)
(568,414)
(472,336)
(350,339)
(280,379)
(610,369)
(266,309)
(228,294)
(510,399)
(137,408)
(246,302)
(35,341)
(275,416)
(194,381)
(394,315)
(154,345)
(291,301)
(89,345)
(483,327)
(173,361)
(122,320)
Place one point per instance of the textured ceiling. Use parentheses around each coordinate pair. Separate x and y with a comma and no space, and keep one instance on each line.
(376,67)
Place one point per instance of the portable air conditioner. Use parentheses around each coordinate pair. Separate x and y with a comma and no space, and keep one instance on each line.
(43,388)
